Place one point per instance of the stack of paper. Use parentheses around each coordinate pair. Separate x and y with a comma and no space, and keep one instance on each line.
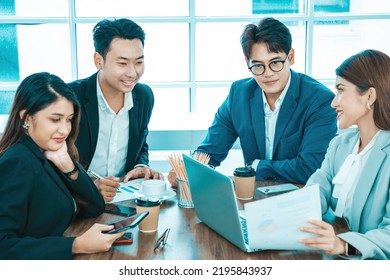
(273,223)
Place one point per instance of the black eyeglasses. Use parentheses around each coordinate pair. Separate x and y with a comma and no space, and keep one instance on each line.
(161,241)
(276,66)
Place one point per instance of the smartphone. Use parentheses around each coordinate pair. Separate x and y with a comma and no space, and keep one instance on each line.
(277,189)
(127,223)
(121,210)
(126,239)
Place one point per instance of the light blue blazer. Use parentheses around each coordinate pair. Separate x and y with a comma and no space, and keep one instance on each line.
(370,220)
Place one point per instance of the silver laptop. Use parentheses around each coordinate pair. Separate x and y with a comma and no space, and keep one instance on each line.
(215,202)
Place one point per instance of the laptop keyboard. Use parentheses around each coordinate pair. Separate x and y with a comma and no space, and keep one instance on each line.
(244,230)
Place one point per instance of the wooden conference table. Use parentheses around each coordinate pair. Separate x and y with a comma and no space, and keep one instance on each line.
(189,239)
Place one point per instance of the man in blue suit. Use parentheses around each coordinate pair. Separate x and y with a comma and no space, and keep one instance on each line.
(283,119)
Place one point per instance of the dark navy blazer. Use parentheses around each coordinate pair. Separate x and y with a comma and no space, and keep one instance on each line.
(37,204)
(139,117)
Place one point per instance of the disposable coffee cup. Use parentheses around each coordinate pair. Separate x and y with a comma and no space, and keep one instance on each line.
(244,181)
(150,223)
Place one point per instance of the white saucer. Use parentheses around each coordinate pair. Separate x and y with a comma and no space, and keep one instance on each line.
(168,195)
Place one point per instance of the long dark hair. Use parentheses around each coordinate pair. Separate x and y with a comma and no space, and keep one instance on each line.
(371,68)
(35,93)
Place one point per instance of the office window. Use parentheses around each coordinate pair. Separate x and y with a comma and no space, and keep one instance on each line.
(166,51)
(352,6)
(6,99)
(219,55)
(333,44)
(279,7)
(213,97)
(40,47)
(9,53)
(299,7)
(131,8)
(171,110)
(332,6)
(222,8)
(35,8)
(8,45)
(192,47)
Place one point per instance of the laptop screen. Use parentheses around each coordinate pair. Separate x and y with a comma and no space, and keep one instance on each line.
(214,200)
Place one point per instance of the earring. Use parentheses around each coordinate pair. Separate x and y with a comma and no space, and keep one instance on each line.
(368,106)
(25,125)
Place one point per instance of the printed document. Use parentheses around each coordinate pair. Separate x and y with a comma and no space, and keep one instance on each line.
(128,190)
(273,223)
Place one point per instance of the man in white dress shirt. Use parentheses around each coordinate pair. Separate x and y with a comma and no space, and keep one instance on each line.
(116,109)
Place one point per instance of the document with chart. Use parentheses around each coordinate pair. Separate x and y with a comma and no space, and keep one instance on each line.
(128,190)
(273,223)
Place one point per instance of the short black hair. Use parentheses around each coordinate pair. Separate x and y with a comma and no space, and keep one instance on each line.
(270,31)
(108,29)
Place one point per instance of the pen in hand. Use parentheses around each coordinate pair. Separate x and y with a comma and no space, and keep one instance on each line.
(94,175)
(97,176)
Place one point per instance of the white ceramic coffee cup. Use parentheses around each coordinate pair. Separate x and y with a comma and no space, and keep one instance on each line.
(154,188)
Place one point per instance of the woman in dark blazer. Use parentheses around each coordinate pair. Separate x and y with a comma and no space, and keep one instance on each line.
(42,186)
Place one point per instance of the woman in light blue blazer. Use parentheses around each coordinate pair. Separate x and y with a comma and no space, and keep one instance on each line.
(355,176)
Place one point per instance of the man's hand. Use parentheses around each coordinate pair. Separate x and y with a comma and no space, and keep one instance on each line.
(142,172)
(172,178)
(107,187)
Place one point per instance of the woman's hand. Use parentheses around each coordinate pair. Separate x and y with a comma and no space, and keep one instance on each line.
(327,239)
(94,241)
(60,158)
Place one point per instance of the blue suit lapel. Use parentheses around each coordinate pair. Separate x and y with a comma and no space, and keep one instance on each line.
(342,152)
(366,181)
(257,115)
(286,110)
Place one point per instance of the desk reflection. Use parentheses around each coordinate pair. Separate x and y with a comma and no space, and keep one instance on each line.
(189,239)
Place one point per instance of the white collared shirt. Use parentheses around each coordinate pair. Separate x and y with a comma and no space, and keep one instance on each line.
(271,118)
(346,178)
(111,150)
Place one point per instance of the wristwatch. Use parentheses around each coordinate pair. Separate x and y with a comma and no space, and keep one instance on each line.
(70,173)
(351,251)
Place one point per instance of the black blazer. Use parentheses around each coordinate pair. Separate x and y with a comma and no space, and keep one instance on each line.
(139,117)
(37,205)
